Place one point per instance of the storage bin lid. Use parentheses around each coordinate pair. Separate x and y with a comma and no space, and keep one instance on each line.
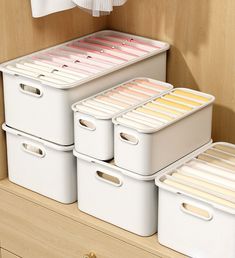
(34,138)
(208,176)
(111,164)
(109,103)
(164,110)
(82,60)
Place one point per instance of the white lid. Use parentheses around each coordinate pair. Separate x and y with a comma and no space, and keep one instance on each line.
(52,82)
(118,120)
(34,138)
(76,107)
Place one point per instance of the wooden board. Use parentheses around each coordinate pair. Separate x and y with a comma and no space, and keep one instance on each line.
(149,244)
(21,34)
(202,55)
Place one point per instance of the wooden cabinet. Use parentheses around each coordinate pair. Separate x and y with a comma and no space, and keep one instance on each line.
(6,254)
(33,226)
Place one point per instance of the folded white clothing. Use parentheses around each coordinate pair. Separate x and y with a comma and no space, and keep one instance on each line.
(44,7)
(99,7)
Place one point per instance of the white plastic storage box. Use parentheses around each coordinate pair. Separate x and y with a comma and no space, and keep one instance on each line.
(197,204)
(40,88)
(41,166)
(93,116)
(182,123)
(118,196)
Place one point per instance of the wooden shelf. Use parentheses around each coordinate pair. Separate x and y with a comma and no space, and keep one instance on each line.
(149,244)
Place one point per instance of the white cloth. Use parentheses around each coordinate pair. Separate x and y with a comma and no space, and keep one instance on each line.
(99,7)
(45,7)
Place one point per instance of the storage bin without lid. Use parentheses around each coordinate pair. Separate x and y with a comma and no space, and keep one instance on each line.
(41,166)
(118,196)
(96,128)
(199,226)
(146,150)
(46,99)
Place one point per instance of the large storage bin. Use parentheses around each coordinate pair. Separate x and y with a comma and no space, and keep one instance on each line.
(182,123)
(41,166)
(93,116)
(45,84)
(118,196)
(197,204)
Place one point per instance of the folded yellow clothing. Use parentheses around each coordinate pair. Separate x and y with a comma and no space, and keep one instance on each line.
(173,104)
(205,184)
(216,162)
(225,148)
(186,101)
(221,155)
(155,114)
(172,111)
(191,95)
(198,193)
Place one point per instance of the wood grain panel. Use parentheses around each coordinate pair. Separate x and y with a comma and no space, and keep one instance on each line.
(6,254)
(34,231)
(202,56)
(21,34)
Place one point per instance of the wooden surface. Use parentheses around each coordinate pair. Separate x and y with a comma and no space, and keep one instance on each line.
(21,34)
(6,254)
(202,56)
(19,204)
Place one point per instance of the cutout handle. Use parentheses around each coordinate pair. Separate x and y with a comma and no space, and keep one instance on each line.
(34,150)
(30,90)
(113,180)
(196,211)
(87,124)
(128,138)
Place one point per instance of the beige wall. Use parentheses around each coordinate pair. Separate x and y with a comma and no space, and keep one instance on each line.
(21,34)
(201,32)
(202,56)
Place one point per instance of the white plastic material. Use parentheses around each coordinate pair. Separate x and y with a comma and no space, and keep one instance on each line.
(195,225)
(128,202)
(147,149)
(94,127)
(42,87)
(43,167)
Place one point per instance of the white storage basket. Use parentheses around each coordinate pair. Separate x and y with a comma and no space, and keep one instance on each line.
(118,196)
(44,85)
(93,116)
(41,166)
(179,129)
(196,212)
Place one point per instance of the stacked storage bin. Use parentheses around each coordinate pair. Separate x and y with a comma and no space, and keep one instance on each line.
(197,204)
(147,138)
(39,90)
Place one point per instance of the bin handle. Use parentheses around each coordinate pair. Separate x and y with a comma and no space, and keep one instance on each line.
(87,124)
(33,149)
(30,90)
(196,211)
(108,178)
(128,138)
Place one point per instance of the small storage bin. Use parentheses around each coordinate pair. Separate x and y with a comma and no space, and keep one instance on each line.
(93,116)
(43,167)
(182,123)
(196,212)
(45,84)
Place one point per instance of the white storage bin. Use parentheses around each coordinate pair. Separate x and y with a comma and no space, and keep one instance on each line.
(196,212)
(118,196)
(182,123)
(93,116)
(46,168)
(40,88)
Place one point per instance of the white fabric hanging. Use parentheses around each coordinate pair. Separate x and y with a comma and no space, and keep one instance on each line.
(45,7)
(99,7)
